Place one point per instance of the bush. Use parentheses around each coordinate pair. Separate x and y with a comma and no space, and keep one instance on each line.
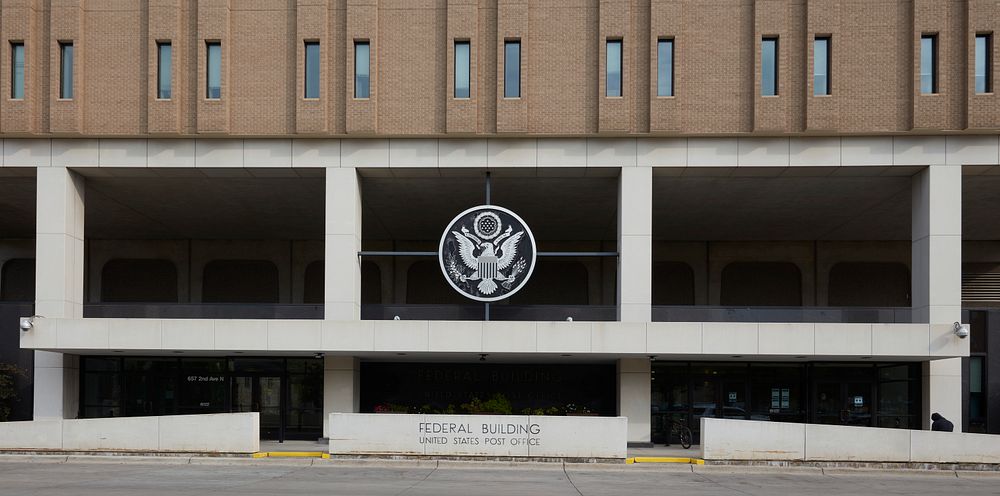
(497,404)
(9,374)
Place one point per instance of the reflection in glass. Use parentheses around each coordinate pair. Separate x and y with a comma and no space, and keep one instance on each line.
(461,69)
(984,52)
(769,67)
(214,70)
(66,70)
(665,68)
(821,66)
(163,53)
(17,70)
(312,70)
(614,69)
(512,69)
(928,64)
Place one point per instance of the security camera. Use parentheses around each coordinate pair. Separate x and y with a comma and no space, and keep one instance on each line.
(25,323)
(961,330)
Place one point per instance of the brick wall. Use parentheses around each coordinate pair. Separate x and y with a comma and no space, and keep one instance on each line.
(874,77)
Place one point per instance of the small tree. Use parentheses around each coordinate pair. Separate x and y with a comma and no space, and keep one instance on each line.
(9,374)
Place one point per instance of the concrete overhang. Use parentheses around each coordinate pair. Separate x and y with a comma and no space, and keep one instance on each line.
(421,339)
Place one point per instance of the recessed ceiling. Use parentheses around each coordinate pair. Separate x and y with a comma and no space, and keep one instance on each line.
(556,209)
(199,206)
(17,203)
(981,207)
(781,208)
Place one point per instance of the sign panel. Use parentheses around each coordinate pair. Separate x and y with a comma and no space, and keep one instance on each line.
(478,435)
(487,253)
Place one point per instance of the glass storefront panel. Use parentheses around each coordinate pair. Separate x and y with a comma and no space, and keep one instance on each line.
(887,395)
(288,393)
(536,389)
(776,392)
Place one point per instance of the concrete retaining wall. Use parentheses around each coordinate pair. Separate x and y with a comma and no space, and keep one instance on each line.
(724,439)
(216,433)
(478,435)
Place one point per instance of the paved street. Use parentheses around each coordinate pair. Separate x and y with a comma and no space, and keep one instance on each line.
(161,477)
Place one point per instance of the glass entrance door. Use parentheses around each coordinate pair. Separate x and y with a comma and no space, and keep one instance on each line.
(260,394)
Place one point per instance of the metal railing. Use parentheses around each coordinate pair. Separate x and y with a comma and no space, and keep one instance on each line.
(203,311)
(704,313)
(587,313)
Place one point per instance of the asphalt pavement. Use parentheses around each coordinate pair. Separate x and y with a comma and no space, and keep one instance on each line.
(104,476)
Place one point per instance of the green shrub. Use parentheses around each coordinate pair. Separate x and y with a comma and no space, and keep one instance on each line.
(9,374)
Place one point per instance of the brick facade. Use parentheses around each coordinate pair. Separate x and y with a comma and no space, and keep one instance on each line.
(874,78)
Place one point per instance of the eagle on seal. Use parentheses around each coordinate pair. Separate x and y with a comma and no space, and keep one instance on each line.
(490,261)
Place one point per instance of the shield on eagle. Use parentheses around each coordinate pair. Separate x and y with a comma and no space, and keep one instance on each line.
(487,253)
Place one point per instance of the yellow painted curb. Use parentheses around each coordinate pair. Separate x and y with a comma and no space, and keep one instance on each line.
(665,459)
(292,454)
(259,455)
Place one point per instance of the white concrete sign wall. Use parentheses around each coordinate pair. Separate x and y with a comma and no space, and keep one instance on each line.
(724,439)
(215,433)
(478,435)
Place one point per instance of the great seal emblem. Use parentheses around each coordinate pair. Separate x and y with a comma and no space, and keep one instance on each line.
(487,253)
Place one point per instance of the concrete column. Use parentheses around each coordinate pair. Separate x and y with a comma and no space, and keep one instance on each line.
(635,244)
(936,254)
(341,388)
(59,268)
(343,241)
(634,398)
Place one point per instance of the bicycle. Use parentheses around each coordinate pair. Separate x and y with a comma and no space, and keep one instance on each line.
(683,433)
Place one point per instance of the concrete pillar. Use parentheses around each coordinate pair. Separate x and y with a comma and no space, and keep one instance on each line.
(634,398)
(635,244)
(59,268)
(341,388)
(936,255)
(343,242)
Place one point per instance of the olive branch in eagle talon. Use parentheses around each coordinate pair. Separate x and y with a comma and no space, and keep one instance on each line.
(453,272)
(490,262)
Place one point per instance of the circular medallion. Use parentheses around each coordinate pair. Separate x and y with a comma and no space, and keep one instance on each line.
(487,253)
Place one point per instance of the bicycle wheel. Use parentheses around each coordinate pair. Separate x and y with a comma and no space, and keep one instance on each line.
(685,435)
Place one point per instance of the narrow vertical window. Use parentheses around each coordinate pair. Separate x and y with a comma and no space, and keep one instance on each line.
(769,66)
(821,66)
(928,64)
(512,69)
(362,63)
(312,70)
(17,70)
(461,69)
(213,74)
(665,67)
(613,74)
(163,70)
(66,70)
(984,63)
